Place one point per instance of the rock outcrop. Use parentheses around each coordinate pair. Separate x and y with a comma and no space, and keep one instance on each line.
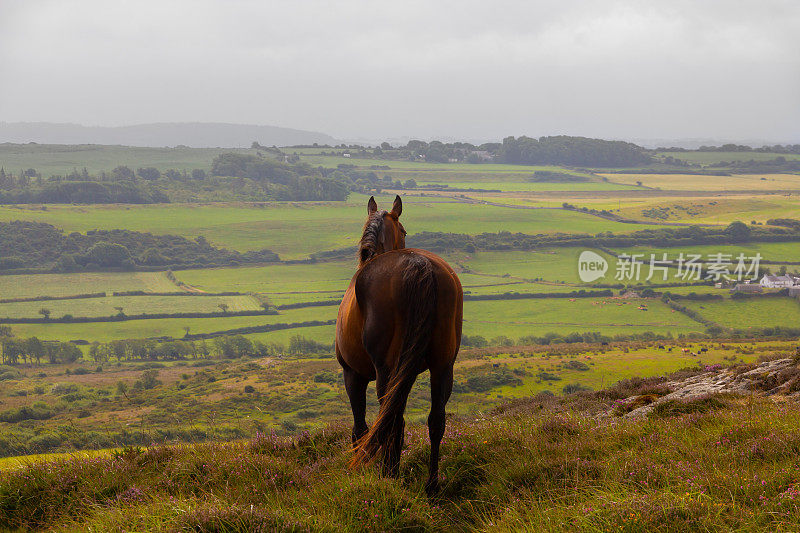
(781,376)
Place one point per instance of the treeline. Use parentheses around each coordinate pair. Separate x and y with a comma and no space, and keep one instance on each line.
(222,347)
(37,246)
(774,149)
(595,337)
(736,232)
(779,164)
(232,177)
(785,222)
(590,337)
(282,181)
(572,151)
(84,192)
(14,351)
(555,150)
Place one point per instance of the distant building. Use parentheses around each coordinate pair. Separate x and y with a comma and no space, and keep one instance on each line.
(452,160)
(777,282)
(748,288)
(794,291)
(483,155)
(345,155)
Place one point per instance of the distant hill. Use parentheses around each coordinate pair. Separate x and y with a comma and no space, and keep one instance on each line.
(194,134)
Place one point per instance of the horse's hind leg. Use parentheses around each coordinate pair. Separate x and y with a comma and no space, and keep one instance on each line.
(356,386)
(441,387)
(391,461)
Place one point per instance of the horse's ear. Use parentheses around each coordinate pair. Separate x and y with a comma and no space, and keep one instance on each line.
(372,206)
(397,207)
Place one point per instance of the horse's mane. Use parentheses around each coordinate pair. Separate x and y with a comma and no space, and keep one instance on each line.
(373,229)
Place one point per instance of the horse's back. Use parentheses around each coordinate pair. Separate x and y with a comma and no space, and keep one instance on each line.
(373,314)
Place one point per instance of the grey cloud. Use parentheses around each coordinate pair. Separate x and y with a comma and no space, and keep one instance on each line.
(371,69)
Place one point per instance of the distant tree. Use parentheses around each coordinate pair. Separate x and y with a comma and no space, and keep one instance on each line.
(68,352)
(108,254)
(198,174)
(738,231)
(224,307)
(123,173)
(66,263)
(45,312)
(386,146)
(120,311)
(6,180)
(148,173)
(150,379)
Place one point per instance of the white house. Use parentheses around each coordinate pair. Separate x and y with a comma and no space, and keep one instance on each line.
(777,282)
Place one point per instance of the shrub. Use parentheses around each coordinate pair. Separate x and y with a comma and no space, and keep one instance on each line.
(327,376)
(9,372)
(572,388)
(577,365)
(38,411)
(675,407)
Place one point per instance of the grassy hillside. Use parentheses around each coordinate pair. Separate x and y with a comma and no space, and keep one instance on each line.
(63,158)
(728,463)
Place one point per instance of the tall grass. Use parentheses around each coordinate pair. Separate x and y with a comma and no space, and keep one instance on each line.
(533,465)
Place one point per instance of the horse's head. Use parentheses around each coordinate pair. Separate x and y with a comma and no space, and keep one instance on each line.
(382,231)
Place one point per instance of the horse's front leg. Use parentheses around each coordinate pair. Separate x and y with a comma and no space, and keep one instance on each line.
(356,386)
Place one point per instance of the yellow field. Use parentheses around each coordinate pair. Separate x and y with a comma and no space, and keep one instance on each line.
(695,182)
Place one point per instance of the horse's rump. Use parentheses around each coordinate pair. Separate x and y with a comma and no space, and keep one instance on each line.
(410,290)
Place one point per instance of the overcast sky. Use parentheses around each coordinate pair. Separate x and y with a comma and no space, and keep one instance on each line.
(370,69)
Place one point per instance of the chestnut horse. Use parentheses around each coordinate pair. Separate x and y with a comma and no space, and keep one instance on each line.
(401,315)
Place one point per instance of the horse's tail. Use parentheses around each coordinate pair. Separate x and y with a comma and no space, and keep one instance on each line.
(419,300)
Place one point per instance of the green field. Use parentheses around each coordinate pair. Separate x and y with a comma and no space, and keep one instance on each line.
(31,286)
(131,305)
(770,251)
(610,316)
(511,318)
(171,327)
(322,334)
(308,278)
(553,265)
(296,229)
(750,313)
(526,186)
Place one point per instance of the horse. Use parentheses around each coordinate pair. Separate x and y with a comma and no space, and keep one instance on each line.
(401,315)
